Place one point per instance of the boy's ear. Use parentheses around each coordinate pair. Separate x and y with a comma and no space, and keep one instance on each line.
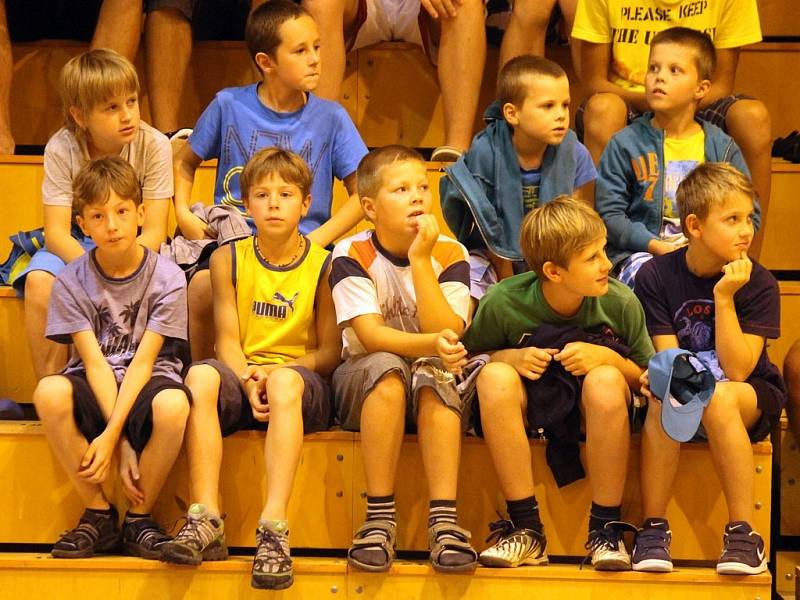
(306,204)
(264,62)
(692,225)
(368,206)
(702,89)
(140,214)
(510,114)
(551,271)
(77,116)
(79,220)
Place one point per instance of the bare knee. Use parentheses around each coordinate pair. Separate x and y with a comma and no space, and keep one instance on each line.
(53,398)
(722,410)
(170,409)
(605,392)
(791,369)
(604,111)
(38,285)
(498,384)
(390,391)
(532,14)
(749,120)
(284,390)
(204,383)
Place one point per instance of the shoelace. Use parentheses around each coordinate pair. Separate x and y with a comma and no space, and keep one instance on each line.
(194,529)
(271,547)
(499,529)
(609,536)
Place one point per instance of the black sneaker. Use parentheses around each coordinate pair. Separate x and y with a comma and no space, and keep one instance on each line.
(272,565)
(651,547)
(743,552)
(143,538)
(96,533)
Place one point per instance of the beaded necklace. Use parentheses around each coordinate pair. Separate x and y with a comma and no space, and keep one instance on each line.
(301,246)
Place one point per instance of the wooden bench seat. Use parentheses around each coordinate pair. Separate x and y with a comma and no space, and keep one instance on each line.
(328,502)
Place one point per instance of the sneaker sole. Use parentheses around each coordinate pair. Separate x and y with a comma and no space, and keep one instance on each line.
(87,553)
(212,553)
(613,564)
(272,582)
(653,566)
(134,549)
(740,568)
(496,562)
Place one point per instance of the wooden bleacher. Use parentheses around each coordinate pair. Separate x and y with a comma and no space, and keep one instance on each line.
(328,503)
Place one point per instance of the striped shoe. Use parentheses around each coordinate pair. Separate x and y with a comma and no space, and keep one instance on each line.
(514,546)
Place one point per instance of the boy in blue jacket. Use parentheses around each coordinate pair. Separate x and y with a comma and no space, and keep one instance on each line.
(643,164)
(526,156)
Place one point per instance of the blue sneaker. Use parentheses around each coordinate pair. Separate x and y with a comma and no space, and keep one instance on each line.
(743,552)
(651,547)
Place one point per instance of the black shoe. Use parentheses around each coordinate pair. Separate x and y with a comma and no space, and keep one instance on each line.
(96,533)
(743,553)
(143,538)
(651,547)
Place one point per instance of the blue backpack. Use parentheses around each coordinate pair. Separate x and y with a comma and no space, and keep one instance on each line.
(23,246)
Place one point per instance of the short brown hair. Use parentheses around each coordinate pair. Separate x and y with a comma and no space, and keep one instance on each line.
(275,161)
(558,230)
(97,178)
(710,184)
(705,55)
(91,78)
(370,169)
(512,82)
(262,31)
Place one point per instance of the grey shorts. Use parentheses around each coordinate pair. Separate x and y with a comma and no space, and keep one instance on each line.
(185,7)
(234,410)
(357,377)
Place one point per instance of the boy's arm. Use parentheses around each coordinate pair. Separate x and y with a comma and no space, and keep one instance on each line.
(154,228)
(595,64)
(97,458)
(185,165)
(377,337)
(58,233)
(326,357)
(226,317)
(343,220)
(433,310)
(738,352)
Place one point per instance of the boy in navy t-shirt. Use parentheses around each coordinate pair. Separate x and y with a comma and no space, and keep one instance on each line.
(711,299)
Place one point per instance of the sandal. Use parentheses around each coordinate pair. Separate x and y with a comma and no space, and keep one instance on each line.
(448,536)
(380,535)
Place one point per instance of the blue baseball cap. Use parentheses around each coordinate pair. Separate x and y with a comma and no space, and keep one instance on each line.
(685,385)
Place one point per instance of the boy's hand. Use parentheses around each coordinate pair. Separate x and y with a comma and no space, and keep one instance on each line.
(451,351)
(735,274)
(439,8)
(578,358)
(254,381)
(97,458)
(532,362)
(129,472)
(644,379)
(427,234)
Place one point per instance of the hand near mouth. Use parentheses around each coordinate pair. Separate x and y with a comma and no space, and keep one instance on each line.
(427,234)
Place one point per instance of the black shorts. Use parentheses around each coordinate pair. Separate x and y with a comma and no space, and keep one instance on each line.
(139,424)
(235,413)
(30,20)
(771,401)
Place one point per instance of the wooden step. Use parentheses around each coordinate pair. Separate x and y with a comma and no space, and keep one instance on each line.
(24,576)
(328,502)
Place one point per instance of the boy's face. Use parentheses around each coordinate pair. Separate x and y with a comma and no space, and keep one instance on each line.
(112,225)
(296,62)
(672,81)
(111,124)
(404,195)
(276,205)
(587,272)
(727,231)
(544,114)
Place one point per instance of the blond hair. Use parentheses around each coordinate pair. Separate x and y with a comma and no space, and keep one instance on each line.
(275,161)
(710,184)
(97,178)
(370,169)
(558,230)
(93,77)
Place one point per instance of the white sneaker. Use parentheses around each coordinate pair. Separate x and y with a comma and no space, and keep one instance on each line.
(514,546)
(607,548)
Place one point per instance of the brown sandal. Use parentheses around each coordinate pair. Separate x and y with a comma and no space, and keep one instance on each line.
(379,534)
(456,540)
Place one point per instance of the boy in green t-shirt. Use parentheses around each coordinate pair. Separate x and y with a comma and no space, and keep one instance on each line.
(571,328)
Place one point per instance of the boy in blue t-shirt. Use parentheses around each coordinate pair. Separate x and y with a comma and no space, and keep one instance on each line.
(279,110)
(526,156)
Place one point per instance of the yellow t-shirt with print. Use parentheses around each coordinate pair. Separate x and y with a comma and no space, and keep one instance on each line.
(629,26)
(276,304)
(680,157)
